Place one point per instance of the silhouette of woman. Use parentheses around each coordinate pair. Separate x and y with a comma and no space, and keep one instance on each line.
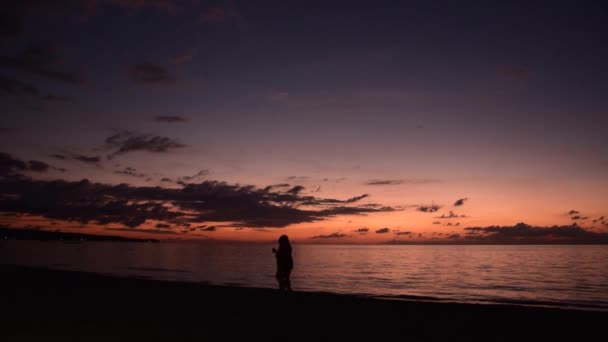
(284,263)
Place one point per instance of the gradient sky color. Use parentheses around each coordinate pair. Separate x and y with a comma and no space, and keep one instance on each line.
(414,103)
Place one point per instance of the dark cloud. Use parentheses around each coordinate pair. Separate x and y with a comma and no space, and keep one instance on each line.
(295,190)
(209,201)
(142,230)
(197,176)
(436,222)
(361,230)
(578,217)
(282,185)
(40,61)
(599,219)
(384,182)
(573,212)
(168,180)
(11,86)
(382,231)
(170,118)
(162,226)
(460,202)
(129,171)
(86,159)
(428,208)
(454,236)
(58,156)
(404,233)
(330,236)
(522,233)
(38,166)
(209,229)
(126,142)
(148,73)
(10,166)
(357,198)
(449,216)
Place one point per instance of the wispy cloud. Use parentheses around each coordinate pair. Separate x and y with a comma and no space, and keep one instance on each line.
(126,142)
(428,208)
(330,236)
(384,182)
(382,231)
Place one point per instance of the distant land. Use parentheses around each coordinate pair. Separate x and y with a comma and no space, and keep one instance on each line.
(7,233)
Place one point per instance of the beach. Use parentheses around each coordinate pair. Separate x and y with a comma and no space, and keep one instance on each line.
(42,304)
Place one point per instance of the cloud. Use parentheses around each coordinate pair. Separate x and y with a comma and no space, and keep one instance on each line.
(454,236)
(361,230)
(428,208)
(330,236)
(58,156)
(86,159)
(449,216)
(382,231)
(183,57)
(295,190)
(149,73)
(357,198)
(170,118)
(129,171)
(404,233)
(38,166)
(166,180)
(215,15)
(11,86)
(522,233)
(132,206)
(282,185)
(436,222)
(578,217)
(162,226)
(384,182)
(142,230)
(209,229)
(573,212)
(10,166)
(40,61)
(460,202)
(197,176)
(126,142)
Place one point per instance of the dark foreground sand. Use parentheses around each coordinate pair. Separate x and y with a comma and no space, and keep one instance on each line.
(44,305)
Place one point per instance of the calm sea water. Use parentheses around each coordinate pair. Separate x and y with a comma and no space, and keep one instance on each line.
(563,276)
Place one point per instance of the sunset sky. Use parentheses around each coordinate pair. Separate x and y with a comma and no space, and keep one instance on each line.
(341,121)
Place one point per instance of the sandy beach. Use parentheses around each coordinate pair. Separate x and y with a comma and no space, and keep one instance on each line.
(44,305)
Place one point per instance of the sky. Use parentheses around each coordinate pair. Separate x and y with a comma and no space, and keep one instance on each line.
(331,122)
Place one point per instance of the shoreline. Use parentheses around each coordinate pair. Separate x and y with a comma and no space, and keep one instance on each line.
(45,304)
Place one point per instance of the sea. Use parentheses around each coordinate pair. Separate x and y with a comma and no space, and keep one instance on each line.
(562,276)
